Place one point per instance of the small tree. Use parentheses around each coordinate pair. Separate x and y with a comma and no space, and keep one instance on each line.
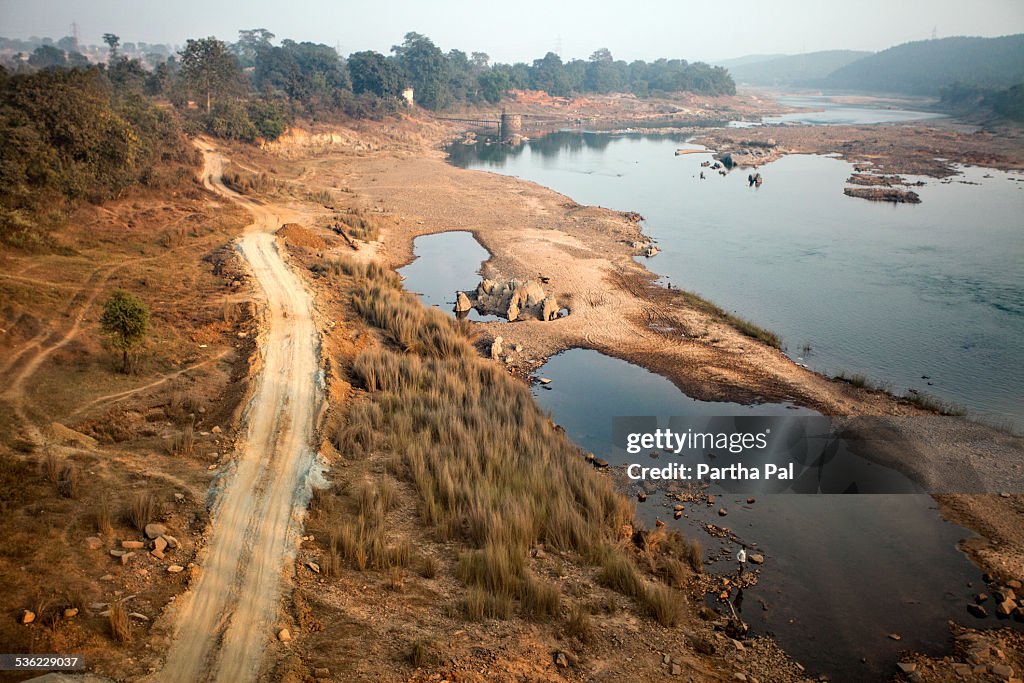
(209,69)
(125,321)
(112,41)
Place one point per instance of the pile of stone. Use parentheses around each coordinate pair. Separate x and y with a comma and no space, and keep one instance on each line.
(513,300)
(158,542)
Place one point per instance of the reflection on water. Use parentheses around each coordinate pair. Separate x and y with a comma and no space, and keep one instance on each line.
(928,298)
(445,263)
(841,572)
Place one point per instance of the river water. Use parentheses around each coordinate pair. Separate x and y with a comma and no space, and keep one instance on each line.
(824,110)
(927,297)
(841,572)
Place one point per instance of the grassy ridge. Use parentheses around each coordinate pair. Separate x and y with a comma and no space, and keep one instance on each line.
(491,471)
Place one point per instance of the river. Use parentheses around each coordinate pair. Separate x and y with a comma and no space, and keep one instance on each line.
(926,297)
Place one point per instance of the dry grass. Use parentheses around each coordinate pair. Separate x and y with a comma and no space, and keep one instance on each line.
(141,510)
(579,625)
(664,604)
(491,472)
(359,224)
(120,623)
(184,442)
(103,518)
(67,481)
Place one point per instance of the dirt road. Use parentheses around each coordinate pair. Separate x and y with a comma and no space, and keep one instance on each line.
(226,621)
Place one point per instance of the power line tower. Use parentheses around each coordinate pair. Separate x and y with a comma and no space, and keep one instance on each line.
(74,34)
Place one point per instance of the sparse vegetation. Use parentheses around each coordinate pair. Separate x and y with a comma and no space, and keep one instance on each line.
(120,623)
(490,470)
(141,510)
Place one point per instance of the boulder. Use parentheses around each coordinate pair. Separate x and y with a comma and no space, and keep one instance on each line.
(977,611)
(172,542)
(133,545)
(154,530)
(70,612)
(462,303)
(1005,608)
(28,616)
(496,348)
(756,558)
(549,311)
(284,635)
(313,567)
(159,546)
(175,569)
(93,542)
(722,512)
(512,310)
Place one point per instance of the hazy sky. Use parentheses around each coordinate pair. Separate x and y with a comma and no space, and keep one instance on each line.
(525,30)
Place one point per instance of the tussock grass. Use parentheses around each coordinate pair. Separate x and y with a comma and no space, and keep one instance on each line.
(103,517)
(120,623)
(421,653)
(67,481)
(579,625)
(620,574)
(360,225)
(184,442)
(664,604)
(141,510)
(490,470)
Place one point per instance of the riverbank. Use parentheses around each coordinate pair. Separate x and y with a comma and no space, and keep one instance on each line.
(615,307)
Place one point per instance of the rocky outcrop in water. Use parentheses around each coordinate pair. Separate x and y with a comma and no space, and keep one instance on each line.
(462,303)
(883,194)
(513,300)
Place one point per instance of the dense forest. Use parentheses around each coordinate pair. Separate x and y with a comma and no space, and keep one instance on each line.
(926,67)
(83,134)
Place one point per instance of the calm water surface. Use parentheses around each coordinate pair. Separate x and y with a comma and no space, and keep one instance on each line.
(841,572)
(830,113)
(928,297)
(446,262)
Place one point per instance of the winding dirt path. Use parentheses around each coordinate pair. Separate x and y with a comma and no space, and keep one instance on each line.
(225,622)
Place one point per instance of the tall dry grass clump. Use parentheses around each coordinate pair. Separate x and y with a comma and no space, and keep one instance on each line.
(490,470)
(120,623)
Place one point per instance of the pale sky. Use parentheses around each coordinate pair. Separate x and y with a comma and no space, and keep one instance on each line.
(524,30)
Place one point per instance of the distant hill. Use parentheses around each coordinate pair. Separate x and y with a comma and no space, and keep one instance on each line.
(744,60)
(925,67)
(791,69)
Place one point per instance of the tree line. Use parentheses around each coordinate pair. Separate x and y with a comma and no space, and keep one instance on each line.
(256,86)
(74,130)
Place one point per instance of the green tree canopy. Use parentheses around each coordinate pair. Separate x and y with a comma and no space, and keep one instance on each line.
(209,69)
(427,69)
(125,321)
(372,72)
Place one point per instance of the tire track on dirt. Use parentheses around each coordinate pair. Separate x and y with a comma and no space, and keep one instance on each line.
(224,624)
